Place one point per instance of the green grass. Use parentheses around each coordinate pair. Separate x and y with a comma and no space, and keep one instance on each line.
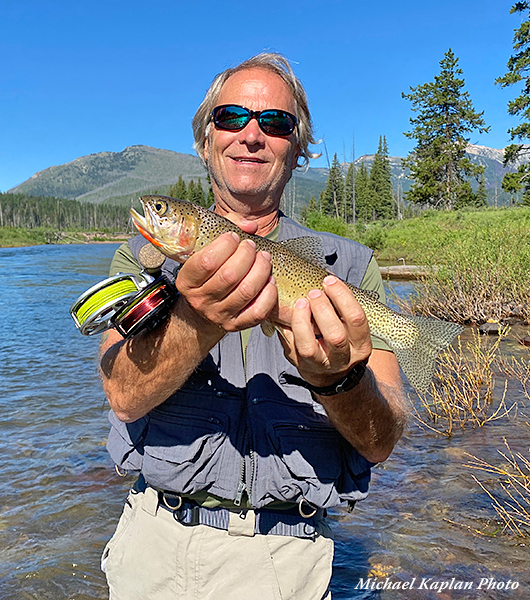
(425,239)
(20,236)
(480,260)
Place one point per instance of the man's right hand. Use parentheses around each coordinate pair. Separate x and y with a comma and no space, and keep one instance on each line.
(228,284)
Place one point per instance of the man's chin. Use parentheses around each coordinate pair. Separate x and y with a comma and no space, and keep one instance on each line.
(255,189)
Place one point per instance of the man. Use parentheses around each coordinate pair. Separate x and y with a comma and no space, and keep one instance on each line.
(237,462)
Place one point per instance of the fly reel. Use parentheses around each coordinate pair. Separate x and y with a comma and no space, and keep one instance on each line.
(147,309)
(126,302)
(93,310)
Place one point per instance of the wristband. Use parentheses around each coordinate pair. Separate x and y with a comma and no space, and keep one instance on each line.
(347,383)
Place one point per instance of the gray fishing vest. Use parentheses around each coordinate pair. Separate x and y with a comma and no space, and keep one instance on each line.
(235,426)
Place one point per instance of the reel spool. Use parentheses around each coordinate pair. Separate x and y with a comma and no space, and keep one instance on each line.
(148,308)
(125,302)
(93,310)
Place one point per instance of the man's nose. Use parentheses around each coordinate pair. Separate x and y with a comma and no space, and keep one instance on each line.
(252,134)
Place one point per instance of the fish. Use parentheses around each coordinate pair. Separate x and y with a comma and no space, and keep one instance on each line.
(179,228)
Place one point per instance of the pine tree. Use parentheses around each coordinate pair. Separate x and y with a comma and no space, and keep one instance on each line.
(381,181)
(190,192)
(518,72)
(332,197)
(481,195)
(210,198)
(178,190)
(199,194)
(363,194)
(195,193)
(312,207)
(348,202)
(511,184)
(445,119)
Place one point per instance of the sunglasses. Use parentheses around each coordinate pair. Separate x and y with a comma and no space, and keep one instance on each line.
(231,117)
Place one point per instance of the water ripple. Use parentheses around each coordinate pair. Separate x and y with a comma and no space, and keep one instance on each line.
(60,497)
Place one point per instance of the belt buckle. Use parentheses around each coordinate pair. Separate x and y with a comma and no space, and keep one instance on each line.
(188,514)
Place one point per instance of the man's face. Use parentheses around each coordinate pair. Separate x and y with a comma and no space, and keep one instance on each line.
(249,165)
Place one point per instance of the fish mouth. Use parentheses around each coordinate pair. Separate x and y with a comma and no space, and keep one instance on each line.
(145,228)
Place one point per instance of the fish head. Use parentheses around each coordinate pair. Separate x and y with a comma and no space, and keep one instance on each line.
(169,224)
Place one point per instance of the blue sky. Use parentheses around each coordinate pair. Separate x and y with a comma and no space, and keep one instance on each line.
(84,77)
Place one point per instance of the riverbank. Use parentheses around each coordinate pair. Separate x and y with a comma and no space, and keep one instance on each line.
(430,239)
(427,239)
(18,237)
(477,261)
(421,240)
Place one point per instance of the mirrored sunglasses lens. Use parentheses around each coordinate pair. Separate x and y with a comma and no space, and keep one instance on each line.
(277,122)
(231,117)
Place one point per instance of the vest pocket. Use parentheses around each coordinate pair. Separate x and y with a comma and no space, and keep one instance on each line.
(182,448)
(308,451)
(299,454)
(124,443)
(298,461)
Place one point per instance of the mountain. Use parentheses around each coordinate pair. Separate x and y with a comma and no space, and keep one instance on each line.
(120,177)
(492,159)
(111,176)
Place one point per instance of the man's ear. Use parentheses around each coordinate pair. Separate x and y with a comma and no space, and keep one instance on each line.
(206,149)
(296,156)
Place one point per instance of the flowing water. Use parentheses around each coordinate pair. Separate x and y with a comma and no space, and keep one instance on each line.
(60,497)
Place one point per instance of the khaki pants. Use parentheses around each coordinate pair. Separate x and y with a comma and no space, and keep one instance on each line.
(154,557)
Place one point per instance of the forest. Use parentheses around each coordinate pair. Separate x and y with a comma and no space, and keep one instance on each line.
(20,210)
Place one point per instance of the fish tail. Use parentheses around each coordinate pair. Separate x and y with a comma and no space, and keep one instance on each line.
(417,353)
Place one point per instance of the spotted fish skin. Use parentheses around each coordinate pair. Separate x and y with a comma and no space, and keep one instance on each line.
(179,228)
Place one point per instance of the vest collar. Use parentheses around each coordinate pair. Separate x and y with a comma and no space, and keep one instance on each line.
(290,229)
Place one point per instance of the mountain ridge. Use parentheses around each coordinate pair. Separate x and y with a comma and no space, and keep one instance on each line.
(120,177)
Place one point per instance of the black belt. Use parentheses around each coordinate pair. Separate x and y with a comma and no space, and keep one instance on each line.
(298,521)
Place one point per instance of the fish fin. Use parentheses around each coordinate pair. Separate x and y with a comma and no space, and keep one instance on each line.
(417,358)
(372,294)
(309,248)
(268,328)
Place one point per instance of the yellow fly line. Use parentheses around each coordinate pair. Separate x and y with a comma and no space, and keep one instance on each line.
(110,294)
(96,306)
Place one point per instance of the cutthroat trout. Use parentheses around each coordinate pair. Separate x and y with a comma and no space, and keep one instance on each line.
(179,228)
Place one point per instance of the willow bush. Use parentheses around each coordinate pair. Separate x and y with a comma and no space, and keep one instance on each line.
(508,487)
(466,391)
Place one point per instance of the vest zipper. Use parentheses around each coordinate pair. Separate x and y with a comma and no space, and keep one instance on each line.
(246,475)
(242,485)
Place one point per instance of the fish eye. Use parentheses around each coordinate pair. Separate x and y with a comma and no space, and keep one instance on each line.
(160,207)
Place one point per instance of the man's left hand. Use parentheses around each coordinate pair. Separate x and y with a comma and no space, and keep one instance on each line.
(329,334)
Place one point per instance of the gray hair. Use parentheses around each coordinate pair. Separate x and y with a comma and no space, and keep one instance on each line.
(279,65)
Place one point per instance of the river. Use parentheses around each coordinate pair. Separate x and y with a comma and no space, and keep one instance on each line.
(60,497)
